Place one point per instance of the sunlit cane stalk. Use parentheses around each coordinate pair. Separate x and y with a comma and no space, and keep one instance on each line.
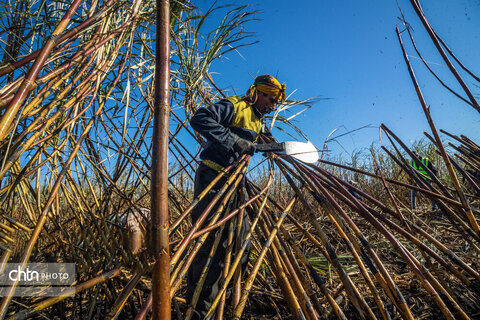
(36,308)
(12,110)
(470,216)
(159,182)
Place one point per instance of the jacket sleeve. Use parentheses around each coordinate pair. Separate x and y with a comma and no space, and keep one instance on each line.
(432,167)
(213,123)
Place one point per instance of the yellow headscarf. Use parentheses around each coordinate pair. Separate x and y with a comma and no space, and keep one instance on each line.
(269,85)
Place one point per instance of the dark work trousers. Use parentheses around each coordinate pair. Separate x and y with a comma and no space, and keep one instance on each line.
(213,281)
(413,198)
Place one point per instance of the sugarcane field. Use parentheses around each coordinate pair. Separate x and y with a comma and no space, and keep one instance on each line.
(185,159)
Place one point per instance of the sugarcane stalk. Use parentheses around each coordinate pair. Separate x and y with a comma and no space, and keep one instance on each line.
(231,214)
(177,222)
(430,69)
(433,36)
(352,291)
(399,183)
(282,280)
(146,306)
(228,261)
(237,290)
(161,303)
(124,295)
(205,270)
(471,218)
(36,308)
(182,246)
(411,227)
(317,279)
(393,288)
(236,262)
(349,240)
(10,67)
(354,247)
(295,273)
(414,267)
(42,219)
(14,106)
(291,277)
(178,274)
(438,286)
(460,225)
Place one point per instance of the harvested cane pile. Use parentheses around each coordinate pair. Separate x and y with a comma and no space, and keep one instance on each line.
(76,113)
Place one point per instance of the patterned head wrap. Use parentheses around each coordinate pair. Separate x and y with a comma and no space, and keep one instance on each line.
(269,85)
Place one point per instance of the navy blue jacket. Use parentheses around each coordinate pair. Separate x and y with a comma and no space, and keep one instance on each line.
(222,124)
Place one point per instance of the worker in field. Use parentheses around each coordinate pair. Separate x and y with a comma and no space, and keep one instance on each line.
(230,126)
(136,222)
(425,163)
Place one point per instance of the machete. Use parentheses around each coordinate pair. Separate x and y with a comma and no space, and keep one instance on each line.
(303,151)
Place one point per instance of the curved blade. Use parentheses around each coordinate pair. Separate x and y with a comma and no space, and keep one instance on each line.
(302,151)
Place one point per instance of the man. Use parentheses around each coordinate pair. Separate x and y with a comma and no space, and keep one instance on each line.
(230,126)
(135,222)
(420,169)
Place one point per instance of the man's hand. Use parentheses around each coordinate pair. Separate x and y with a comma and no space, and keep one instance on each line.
(244,146)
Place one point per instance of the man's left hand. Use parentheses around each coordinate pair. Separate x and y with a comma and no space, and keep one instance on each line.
(244,146)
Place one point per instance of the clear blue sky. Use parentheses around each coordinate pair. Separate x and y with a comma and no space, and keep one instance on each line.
(348,51)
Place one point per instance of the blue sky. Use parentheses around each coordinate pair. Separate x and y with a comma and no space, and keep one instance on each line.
(348,51)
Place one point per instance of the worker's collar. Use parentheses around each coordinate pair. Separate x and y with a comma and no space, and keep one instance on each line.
(257,113)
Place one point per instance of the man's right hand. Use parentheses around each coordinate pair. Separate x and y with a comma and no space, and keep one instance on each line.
(244,146)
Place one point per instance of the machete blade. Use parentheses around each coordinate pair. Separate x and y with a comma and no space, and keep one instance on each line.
(303,151)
